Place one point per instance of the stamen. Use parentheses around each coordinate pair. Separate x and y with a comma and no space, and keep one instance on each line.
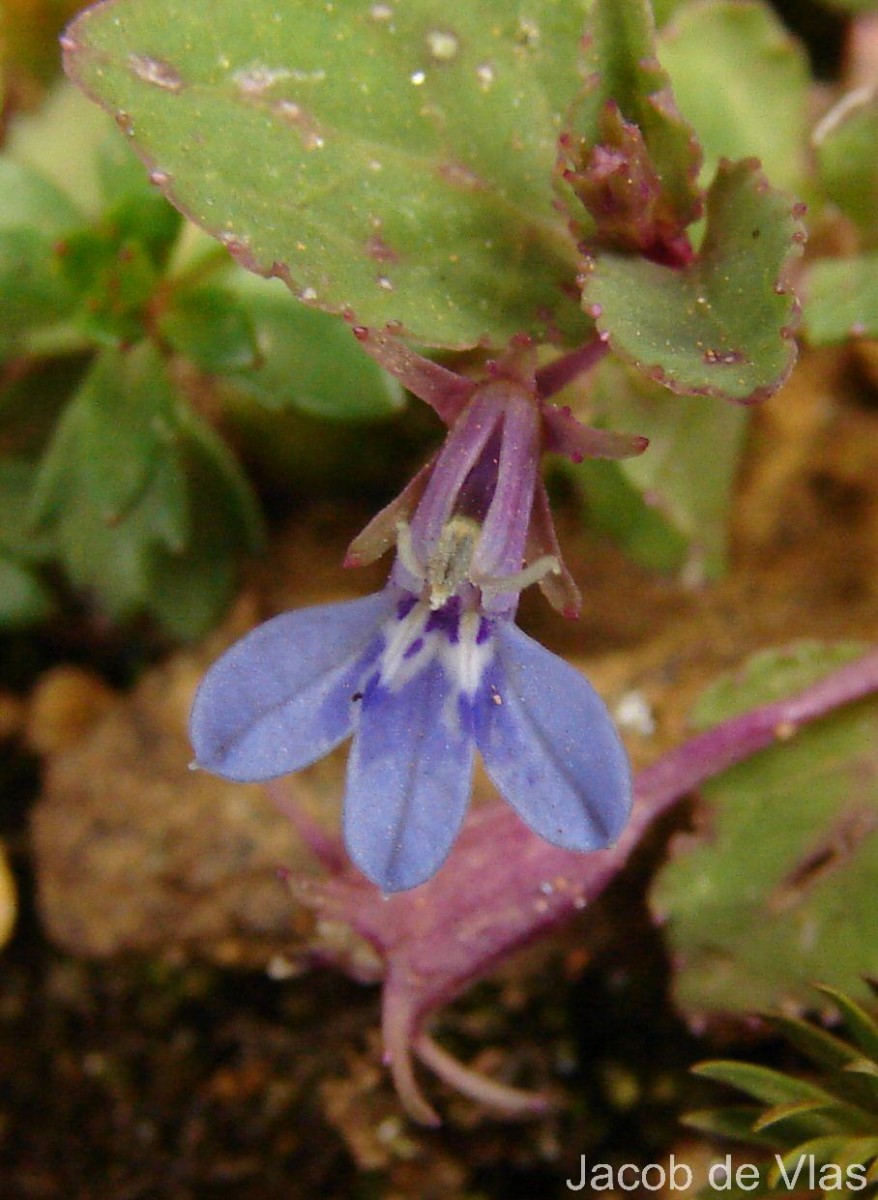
(449,565)
(490,585)
(406,551)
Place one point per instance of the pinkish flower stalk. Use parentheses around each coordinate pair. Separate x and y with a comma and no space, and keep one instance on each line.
(503,888)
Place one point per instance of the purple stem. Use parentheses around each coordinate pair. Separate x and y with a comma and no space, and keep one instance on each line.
(503,886)
(557,374)
(708,754)
(445,391)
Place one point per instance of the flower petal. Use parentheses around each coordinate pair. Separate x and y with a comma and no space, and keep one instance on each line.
(280,698)
(409,778)
(550,746)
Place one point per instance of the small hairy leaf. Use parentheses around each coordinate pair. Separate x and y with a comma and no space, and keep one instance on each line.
(16,538)
(34,291)
(723,326)
(27,200)
(617,507)
(189,591)
(110,436)
(61,141)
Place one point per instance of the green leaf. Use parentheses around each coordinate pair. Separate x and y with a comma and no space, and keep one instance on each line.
(692,460)
(844,142)
(841,299)
(392,160)
(33,289)
(114,279)
(721,327)
(60,141)
(111,436)
(822,1116)
(862,1027)
(771,675)
(733,1121)
(149,508)
(24,598)
(34,217)
(136,212)
(17,477)
(743,82)
(763,1083)
(823,1048)
(239,516)
(189,592)
(615,506)
(30,201)
(309,360)
(212,327)
(783,890)
(839,1148)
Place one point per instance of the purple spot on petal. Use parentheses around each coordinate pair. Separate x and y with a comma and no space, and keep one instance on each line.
(486,628)
(416,646)
(466,713)
(405,606)
(447,620)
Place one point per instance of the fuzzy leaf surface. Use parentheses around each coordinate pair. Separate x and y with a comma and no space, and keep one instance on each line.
(782,890)
(394,160)
(723,326)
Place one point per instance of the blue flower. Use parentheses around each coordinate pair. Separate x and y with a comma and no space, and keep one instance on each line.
(431,669)
(421,690)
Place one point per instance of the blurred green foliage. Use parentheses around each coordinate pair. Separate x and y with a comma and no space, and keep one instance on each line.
(126,483)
